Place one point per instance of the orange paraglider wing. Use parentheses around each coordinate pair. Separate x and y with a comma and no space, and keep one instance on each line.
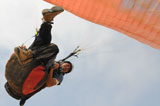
(139,19)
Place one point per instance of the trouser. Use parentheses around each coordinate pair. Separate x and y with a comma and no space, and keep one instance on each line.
(44,51)
(43,37)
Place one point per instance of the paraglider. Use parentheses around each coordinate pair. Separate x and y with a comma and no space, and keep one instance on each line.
(29,70)
(139,19)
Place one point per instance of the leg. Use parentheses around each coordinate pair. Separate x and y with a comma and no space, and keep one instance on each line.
(43,37)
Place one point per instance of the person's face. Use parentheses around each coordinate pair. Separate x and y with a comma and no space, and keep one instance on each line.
(65,67)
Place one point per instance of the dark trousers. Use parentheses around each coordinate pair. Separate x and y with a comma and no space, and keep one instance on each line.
(43,37)
(44,51)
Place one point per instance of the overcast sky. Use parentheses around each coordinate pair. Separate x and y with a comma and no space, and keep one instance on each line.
(112,70)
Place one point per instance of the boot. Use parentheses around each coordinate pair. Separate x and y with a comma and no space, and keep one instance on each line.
(49,14)
(24,55)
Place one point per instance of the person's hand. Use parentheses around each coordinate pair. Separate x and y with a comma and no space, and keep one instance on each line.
(56,65)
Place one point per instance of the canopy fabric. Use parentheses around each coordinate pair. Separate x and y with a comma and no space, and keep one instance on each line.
(139,19)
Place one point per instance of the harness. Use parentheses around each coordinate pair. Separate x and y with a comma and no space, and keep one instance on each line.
(27,94)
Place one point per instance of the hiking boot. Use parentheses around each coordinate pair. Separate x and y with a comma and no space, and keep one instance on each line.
(24,55)
(49,14)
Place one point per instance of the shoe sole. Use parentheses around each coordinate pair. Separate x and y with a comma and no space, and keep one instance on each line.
(52,10)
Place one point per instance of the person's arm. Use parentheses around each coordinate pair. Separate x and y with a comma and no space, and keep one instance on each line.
(52,81)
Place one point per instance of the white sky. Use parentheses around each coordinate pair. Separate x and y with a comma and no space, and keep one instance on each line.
(113,69)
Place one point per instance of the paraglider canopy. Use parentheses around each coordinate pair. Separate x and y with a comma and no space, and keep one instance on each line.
(139,19)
